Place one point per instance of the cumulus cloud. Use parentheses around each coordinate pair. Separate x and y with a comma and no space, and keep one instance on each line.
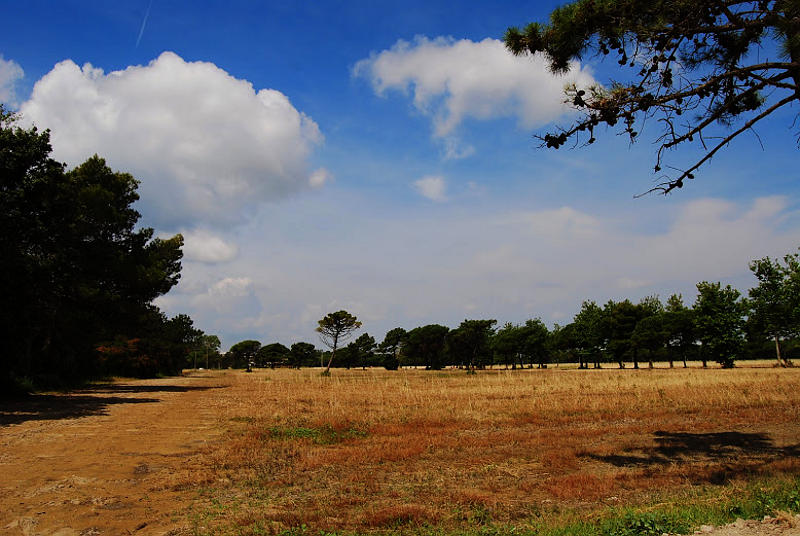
(207,146)
(432,187)
(204,246)
(10,73)
(452,80)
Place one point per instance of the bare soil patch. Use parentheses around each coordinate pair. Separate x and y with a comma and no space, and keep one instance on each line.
(780,525)
(101,460)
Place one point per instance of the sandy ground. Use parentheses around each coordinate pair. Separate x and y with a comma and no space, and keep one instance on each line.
(781,525)
(98,461)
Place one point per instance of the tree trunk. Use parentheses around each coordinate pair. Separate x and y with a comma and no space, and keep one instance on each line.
(333,354)
(778,352)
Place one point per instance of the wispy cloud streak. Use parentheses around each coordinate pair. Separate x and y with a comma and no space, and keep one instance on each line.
(144,23)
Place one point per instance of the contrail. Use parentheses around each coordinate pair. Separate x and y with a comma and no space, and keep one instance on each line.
(144,23)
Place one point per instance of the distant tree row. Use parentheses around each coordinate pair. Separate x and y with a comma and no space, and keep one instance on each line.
(252,353)
(79,277)
(721,326)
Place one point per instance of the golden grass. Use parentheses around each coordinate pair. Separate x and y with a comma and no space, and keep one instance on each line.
(375,449)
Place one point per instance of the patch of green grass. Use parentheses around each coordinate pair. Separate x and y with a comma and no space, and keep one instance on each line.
(632,523)
(325,435)
(685,512)
(680,514)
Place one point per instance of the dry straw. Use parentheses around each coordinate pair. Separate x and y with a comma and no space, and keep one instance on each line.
(375,449)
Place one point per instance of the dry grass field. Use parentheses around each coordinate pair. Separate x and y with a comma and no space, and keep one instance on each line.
(374,450)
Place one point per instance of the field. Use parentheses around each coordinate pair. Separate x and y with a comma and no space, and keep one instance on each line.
(375,450)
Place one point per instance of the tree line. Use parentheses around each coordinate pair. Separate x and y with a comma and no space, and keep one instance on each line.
(721,326)
(79,274)
(80,277)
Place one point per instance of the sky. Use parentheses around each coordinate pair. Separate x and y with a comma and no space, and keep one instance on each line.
(379,157)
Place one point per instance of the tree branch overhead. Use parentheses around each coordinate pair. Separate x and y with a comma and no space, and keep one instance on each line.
(694,66)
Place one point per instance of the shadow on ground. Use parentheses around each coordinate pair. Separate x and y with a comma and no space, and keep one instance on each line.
(91,401)
(127,388)
(54,407)
(730,453)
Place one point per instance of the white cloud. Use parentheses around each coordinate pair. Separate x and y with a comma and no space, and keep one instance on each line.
(231,297)
(412,265)
(454,149)
(206,145)
(319,178)
(203,246)
(235,287)
(432,187)
(10,73)
(560,223)
(453,80)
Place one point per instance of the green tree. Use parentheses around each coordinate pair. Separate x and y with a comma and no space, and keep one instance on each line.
(336,328)
(507,345)
(243,353)
(534,342)
(649,335)
(774,302)
(562,342)
(719,317)
(346,357)
(174,341)
(619,323)
(77,273)
(302,353)
(679,329)
(205,349)
(425,346)
(363,350)
(163,347)
(588,327)
(699,68)
(273,354)
(392,346)
(210,346)
(468,344)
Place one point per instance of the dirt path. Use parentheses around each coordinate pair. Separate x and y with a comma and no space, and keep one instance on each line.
(100,460)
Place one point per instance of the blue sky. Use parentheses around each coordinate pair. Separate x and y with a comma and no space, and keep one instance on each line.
(378,157)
